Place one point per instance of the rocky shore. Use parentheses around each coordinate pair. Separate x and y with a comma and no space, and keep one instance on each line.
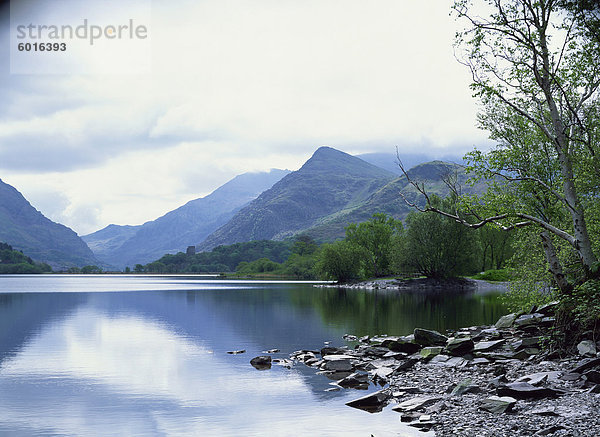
(477,381)
(417,284)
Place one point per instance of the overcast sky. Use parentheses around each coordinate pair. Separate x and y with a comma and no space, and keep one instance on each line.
(124,130)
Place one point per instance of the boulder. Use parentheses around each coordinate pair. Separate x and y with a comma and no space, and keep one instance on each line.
(339,365)
(261,363)
(524,390)
(459,346)
(506,321)
(426,337)
(356,380)
(401,345)
(528,320)
(587,348)
(372,403)
(497,404)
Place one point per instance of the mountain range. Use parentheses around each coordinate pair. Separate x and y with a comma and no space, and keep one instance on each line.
(187,225)
(331,190)
(28,230)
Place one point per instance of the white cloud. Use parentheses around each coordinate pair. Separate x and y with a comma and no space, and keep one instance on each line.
(236,86)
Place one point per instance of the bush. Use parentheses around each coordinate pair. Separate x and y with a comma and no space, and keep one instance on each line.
(502,275)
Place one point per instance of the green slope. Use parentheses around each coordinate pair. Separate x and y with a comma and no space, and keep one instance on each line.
(29,231)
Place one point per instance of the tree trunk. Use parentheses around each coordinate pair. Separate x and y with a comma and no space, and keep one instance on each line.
(554,265)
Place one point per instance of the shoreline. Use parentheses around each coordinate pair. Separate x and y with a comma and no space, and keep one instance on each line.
(420,284)
(478,381)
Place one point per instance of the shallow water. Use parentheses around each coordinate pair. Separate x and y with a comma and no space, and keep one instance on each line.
(147,355)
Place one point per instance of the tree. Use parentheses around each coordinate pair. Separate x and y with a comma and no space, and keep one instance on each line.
(436,246)
(376,237)
(536,69)
(339,261)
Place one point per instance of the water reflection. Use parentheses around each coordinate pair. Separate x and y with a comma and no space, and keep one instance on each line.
(155,362)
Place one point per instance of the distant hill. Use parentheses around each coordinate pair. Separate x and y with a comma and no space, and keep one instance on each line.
(185,226)
(389,161)
(28,230)
(329,182)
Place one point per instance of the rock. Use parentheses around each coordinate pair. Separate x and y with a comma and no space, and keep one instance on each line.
(550,430)
(410,362)
(586,364)
(486,346)
(540,377)
(431,351)
(592,376)
(416,403)
(241,351)
(439,359)
(426,337)
(359,381)
(528,320)
(571,376)
(544,412)
(525,342)
(329,350)
(524,390)
(409,417)
(349,337)
(459,346)
(497,381)
(587,348)
(506,321)
(374,351)
(271,351)
(401,345)
(395,355)
(464,387)
(373,403)
(340,365)
(496,404)
(480,361)
(548,309)
(261,363)
(455,362)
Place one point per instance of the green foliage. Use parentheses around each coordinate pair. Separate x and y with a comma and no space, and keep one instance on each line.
(584,304)
(262,265)
(340,261)
(91,269)
(437,246)
(15,262)
(374,240)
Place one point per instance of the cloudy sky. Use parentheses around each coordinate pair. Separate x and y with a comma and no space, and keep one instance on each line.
(125,129)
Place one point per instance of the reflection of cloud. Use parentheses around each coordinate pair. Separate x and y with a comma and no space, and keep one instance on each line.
(95,374)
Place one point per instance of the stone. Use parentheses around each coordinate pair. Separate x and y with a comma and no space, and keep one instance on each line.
(571,376)
(497,381)
(261,363)
(506,321)
(395,355)
(528,320)
(426,337)
(486,346)
(340,365)
(271,351)
(497,404)
(524,390)
(550,430)
(540,377)
(459,346)
(329,350)
(431,351)
(526,342)
(587,348)
(439,359)
(401,345)
(359,381)
(410,362)
(465,387)
(416,403)
(350,337)
(544,412)
(549,308)
(241,351)
(586,364)
(374,351)
(592,376)
(480,361)
(372,403)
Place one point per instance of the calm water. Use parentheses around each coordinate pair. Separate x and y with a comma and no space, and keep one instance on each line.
(135,355)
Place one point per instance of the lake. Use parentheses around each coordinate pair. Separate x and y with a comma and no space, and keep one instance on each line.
(134,355)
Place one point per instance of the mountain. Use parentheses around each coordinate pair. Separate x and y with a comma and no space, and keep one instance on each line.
(389,161)
(28,230)
(330,191)
(330,181)
(187,225)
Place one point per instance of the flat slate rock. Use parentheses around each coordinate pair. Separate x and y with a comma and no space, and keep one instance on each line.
(524,390)
(486,346)
(427,337)
(417,403)
(372,403)
(498,404)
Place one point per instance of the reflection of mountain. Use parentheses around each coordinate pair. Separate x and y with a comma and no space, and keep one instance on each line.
(24,315)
